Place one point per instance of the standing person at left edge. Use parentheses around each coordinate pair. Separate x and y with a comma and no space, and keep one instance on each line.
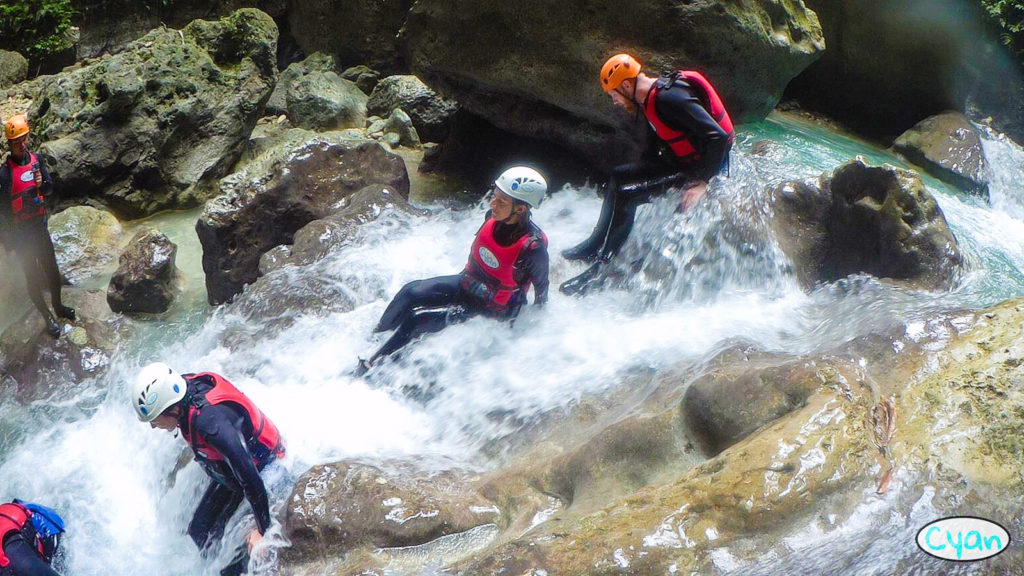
(231,438)
(26,182)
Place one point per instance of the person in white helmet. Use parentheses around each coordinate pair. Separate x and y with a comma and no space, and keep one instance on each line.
(509,254)
(231,438)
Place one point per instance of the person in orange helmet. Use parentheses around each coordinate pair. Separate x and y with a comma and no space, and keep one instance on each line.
(690,136)
(26,182)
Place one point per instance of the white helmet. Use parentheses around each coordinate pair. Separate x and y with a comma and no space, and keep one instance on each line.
(523,183)
(157,388)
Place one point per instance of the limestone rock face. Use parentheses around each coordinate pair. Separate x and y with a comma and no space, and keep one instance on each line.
(85,240)
(948,147)
(146,129)
(146,276)
(337,507)
(866,220)
(431,113)
(531,67)
(263,205)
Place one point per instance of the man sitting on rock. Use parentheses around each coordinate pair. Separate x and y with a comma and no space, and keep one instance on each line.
(25,180)
(689,141)
(231,439)
(509,254)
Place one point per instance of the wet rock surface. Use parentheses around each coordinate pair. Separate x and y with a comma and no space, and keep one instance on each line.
(146,277)
(85,240)
(947,146)
(338,507)
(263,205)
(35,366)
(866,220)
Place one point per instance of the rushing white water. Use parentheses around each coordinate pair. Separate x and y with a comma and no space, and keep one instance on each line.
(452,393)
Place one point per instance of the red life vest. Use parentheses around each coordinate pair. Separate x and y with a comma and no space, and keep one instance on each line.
(677,140)
(492,267)
(13,518)
(264,432)
(23,184)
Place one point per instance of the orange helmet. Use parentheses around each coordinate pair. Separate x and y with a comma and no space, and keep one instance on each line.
(618,68)
(16,126)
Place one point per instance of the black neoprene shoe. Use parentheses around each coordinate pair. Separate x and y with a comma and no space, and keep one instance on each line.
(65,312)
(52,328)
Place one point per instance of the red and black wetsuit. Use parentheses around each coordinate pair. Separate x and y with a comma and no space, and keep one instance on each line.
(679,108)
(23,227)
(21,553)
(219,427)
(424,306)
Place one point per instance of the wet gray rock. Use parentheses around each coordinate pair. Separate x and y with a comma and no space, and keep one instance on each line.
(13,68)
(431,113)
(338,507)
(263,205)
(948,147)
(364,77)
(35,366)
(278,102)
(746,389)
(315,240)
(866,220)
(146,277)
(86,241)
(149,128)
(324,101)
(522,67)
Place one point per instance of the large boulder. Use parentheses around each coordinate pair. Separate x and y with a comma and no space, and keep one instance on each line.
(733,399)
(264,204)
(431,114)
(866,220)
(889,65)
(325,101)
(86,241)
(13,68)
(278,102)
(531,67)
(338,507)
(146,276)
(148,128)
(354,32)
(948,147)
(110,25)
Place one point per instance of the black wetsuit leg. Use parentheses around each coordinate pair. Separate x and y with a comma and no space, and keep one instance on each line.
(632,185)
(429,293)
(39,262)
(423,322)
(25,560)
(215,508)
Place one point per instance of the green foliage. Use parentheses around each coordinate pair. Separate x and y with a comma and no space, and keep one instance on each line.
(1009,16)
(36,28)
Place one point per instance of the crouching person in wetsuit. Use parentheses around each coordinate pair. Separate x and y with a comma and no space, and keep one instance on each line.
(509,254)
(688,144)
(30,536)
(231,438)
(25,181)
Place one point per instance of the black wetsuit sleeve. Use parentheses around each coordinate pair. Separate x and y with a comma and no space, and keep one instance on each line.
(25,561)
(47,187)
(681,109)
(536,265)
(222,427)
